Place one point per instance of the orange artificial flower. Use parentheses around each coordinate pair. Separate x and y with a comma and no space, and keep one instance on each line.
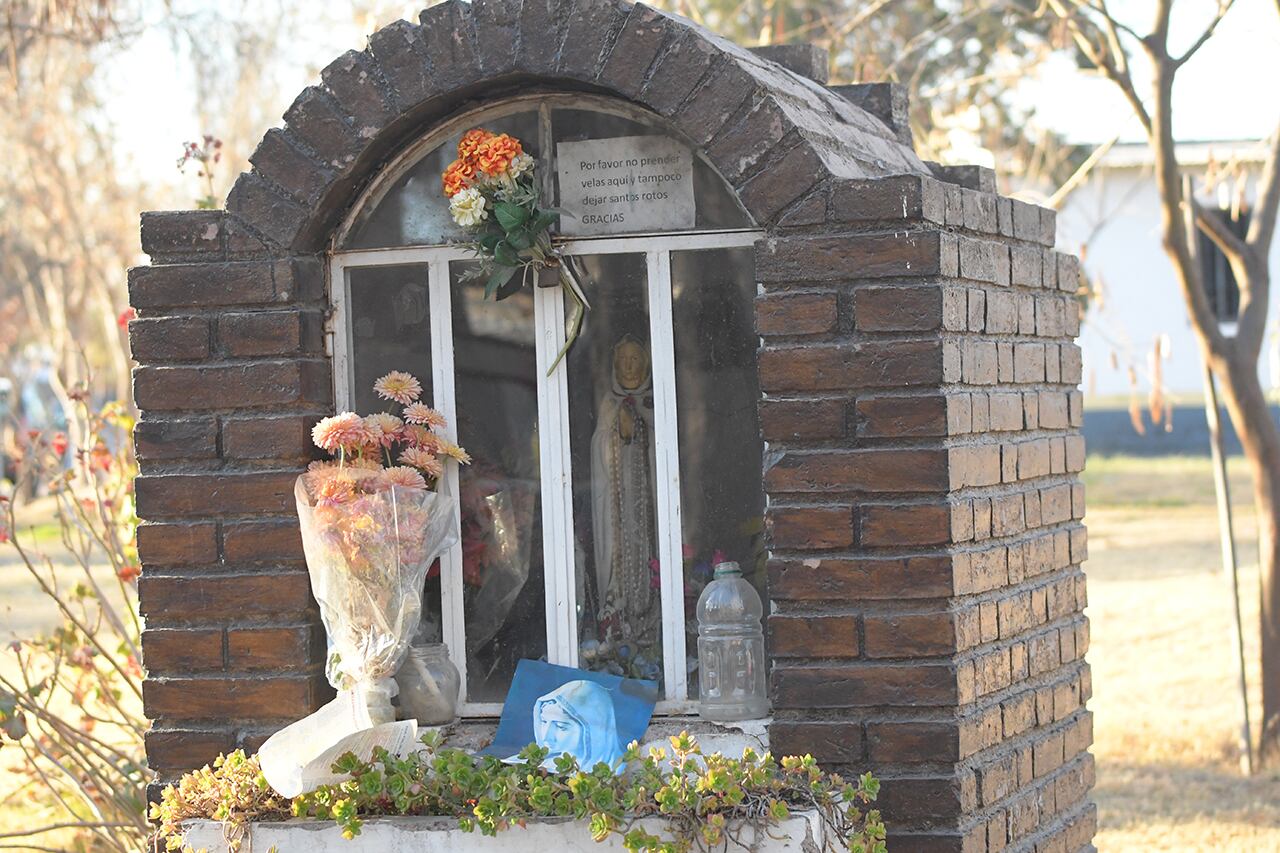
(457,177)
(471,142)
(496,153)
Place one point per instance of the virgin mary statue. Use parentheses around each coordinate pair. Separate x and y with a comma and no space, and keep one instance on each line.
(628,603)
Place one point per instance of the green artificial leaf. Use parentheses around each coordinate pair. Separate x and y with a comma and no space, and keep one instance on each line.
(489,242)
(544,220)
(513,286)
(500,276)
(520,239)
(510,216)
(505,254)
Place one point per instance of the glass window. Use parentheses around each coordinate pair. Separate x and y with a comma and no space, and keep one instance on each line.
(611,429)
(721,451)
(496,394)
(411,210)
(601,493)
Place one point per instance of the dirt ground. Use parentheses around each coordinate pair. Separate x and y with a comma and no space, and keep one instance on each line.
(1165,698)
(1165,694)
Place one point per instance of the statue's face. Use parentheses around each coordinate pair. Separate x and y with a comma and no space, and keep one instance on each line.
(631,365)
(561,731)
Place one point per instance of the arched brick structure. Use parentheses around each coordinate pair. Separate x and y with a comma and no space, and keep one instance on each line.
(919,378)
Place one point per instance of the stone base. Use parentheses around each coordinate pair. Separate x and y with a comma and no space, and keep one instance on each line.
(800,833)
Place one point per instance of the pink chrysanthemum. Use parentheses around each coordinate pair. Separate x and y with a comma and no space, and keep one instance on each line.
(421,413)
(422,460)
(386,427)
(347,430)
(402,477)
(399,386)
(420,436)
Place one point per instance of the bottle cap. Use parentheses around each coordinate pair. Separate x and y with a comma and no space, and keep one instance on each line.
(728,569)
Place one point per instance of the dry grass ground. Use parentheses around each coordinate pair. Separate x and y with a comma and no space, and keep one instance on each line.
(1164,683)
(1163,672)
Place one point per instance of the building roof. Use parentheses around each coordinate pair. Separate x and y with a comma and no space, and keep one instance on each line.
(1136,155)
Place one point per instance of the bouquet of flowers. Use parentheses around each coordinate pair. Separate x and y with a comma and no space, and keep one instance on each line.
(373,521)
(493,192)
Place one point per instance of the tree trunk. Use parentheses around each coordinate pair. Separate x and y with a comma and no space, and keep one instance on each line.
(1247,405)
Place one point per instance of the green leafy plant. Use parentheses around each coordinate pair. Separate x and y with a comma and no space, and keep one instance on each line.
(703,801)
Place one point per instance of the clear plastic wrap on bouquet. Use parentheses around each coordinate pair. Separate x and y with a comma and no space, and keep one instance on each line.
(368,557)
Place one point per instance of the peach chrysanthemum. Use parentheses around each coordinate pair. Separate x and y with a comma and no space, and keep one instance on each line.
(471,142)
(422,460)
(334,490)
(402,477)
(420,413)
(399,386)
(347,430)
(454,452)
(495,154)
(386,426)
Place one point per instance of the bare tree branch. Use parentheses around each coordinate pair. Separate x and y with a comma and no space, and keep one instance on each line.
(1224,6)
(1263,227)
(1212,223)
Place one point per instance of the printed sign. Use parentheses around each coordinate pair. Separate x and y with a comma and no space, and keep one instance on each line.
(625,184)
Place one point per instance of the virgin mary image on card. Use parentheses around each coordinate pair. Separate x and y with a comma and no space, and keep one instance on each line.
(577,718)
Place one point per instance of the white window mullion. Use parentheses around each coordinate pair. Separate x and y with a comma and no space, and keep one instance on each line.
(667,461)
(340,333)
(452,613)
(557,483)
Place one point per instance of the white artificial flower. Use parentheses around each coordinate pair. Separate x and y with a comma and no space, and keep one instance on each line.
(520,164)
(468,208)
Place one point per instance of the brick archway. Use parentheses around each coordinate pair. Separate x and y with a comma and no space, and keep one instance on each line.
(773,134)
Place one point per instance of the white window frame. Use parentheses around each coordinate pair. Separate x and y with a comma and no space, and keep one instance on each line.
(556,473)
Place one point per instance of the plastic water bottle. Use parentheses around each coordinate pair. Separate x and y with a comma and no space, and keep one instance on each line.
(731,664)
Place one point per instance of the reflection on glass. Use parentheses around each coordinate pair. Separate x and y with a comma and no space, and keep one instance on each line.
(611,438)
(716,206)
(390,330)
(717,389)
(497,404)
(415,212)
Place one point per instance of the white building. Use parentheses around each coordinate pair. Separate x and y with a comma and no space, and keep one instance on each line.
(1113,220)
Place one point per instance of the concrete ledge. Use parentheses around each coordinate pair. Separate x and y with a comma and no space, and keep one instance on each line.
(800,833)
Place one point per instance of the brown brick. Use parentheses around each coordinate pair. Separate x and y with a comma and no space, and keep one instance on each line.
(811,527)
(837,258)
(813,636)
(1007,515)
(1033,459)
(854,580)
(285,438)
(279,697)
(789,420)
(1072,367)
(273,541)
(1002,313)
(1043,650)
(1004,361)
(974,465)
(989,621)
(864,685)
(882,525)
(178,544)
(1019,713)
(1056,503)
(169,339)
(901,417)
(911,635)
(840,367)
(219,284)
(894,742)
(1026,314)
(1031,509)
(168,495)
(959,414)
(829,742)
(1057,455)
(157,438)
(185,749)
(979,363)
(273,383)
(976,309)
(176,600)
(992,671)
(262,333)
(1028,363)
(859,470)
(253,649)
(796,314)
(1015,614)
(997,779)
(955,309)
(897,309)
(169,651)
(1006,412)
(1047,754)
(1025,262)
